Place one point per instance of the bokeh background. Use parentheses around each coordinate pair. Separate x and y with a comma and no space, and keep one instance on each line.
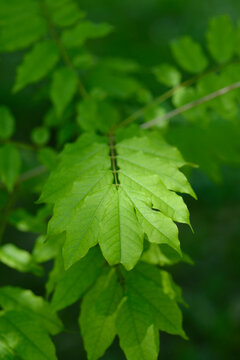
(143,30)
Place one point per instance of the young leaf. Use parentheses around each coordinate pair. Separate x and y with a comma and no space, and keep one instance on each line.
(91,206)
(73,283)
(63,88)
(21,24)
(7,123)
(221,38)
(23,334)
(19,259)
(24,301)
(98,314)
(10,165)
(37,63)
(189,55)
(83,31)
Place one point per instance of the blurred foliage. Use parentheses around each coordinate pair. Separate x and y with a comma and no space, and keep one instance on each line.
(141,32)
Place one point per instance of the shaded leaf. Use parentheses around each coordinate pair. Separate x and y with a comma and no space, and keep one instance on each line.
(24,301)
(24,335)
(37,63)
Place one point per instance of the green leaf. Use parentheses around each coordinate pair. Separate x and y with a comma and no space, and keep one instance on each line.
(96,114)
(48,157)
(24,301)
(98,314)
(37,63)
(6,352)
(21,24)
(164,255)
(47,248)
(120,236)
(24,335)
(114,83)
(167,74)
(73,283)
(149,283)
(189,54)
(64,12)
(10,165)
(19,259)
(136,329)
(7,123)
(221,38)
(91,209)
(63,88)
(83,31)
(40,135)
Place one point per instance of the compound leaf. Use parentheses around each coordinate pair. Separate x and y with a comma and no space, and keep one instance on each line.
(92,208)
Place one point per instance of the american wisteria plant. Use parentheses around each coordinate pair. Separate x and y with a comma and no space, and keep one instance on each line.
(107,177)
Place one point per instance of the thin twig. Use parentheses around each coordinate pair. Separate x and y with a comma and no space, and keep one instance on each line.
(168,94)
(60,46)
(191,105)
(31,174)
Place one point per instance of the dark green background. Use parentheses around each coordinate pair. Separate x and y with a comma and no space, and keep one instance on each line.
(143,29)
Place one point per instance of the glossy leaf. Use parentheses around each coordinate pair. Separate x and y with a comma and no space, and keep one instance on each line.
(19,259)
